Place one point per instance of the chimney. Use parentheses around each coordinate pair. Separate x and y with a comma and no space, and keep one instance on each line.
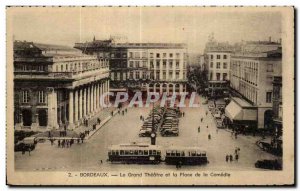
(270,40)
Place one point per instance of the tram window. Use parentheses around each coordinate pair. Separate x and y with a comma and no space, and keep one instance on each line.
(121,152)
(136,152)
(140,152)
(173,153)
(126,152)
(168,153)
(109,152)
(113,152)
(198,154)
(150,152)
(158,152)
(182,153)
(203,154)
(193,153)
(145,152)
(154,152)
(131,152)
(117,152)
(177,153)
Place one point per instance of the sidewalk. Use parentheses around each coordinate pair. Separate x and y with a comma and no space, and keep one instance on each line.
(104,115)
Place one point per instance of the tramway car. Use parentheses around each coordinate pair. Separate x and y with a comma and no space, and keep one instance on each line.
(185,156)
(135,153)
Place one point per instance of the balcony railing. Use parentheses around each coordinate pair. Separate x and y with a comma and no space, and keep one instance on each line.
(37,59)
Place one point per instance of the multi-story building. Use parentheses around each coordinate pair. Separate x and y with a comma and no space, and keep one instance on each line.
(159,67)
(277,104)
(252,72)
(217,60)
(56,86)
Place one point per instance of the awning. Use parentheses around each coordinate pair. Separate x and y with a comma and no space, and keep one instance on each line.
(236,112)
(233,111)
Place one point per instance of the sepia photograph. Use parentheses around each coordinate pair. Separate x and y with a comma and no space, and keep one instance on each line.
(192,96)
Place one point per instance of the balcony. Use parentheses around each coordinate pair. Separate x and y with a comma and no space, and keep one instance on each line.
(31,59)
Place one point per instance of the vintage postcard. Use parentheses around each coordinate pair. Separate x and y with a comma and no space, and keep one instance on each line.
(187,96)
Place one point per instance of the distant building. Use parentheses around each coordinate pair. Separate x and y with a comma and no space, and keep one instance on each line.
(252,72)
(56,86)
(217,61)
(146,67)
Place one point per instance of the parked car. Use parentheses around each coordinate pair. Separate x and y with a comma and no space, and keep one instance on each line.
(27,144)
(170,132)
(269,164)
(145,133)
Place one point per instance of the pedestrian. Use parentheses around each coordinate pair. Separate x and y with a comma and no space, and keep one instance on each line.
(230,158)
(236,157)
(78,140)
(201,119)
(207,126)
(101,161)
(112,113)
(126,110)
(123,112)
(49,134)
(119,111)
(141,117)
(199,129)
(29,151)
(209,136)
(52,141)
(206,113)
(63,143)
(58,143)
(235,135)
(227,157)
(183,114)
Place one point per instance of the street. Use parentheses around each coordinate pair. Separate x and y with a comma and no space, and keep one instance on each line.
(124,129)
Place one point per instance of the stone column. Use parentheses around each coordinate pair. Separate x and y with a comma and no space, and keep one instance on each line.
(101,93)
(92,98)
(71,112)
(76,106)
(80,104)
(88,101)
(84,102)
(96,97)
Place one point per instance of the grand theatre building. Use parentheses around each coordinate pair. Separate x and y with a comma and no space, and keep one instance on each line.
(56,86)
(145,67)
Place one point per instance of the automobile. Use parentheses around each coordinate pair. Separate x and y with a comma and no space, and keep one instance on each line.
(144,133)
(268,164)
(27,144)
(210,107)
(170,132)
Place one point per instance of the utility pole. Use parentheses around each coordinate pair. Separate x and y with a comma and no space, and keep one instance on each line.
(153,134)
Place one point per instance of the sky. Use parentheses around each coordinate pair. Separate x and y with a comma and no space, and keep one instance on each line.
(193,25)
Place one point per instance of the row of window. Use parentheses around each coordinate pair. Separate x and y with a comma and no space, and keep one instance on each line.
(26,67)
(218,56)
(164,65)
(134,152)
(218,65)
(41,95)
(84,66)
(165,55)
(248,91)
(218,76)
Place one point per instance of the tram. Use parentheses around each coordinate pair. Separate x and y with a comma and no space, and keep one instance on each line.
(135,153)
(185,156)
